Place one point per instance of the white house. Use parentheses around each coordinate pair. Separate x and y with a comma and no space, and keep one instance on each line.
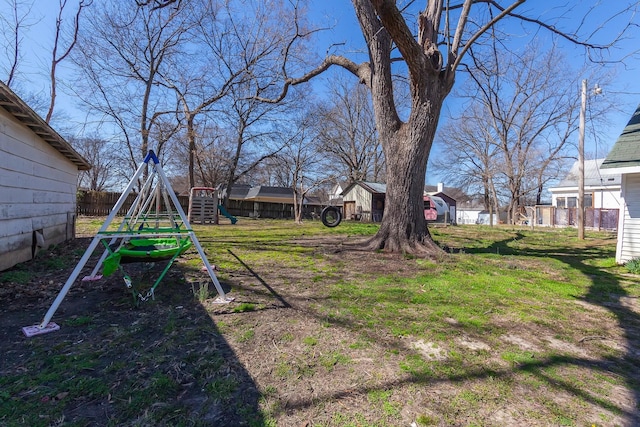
(336,190)
(624,159)
(601,191)
(38,182)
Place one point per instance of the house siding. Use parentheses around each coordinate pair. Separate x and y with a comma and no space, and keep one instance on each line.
(629,232)
(37,192)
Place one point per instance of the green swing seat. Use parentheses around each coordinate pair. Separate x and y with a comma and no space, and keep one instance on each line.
(145,250)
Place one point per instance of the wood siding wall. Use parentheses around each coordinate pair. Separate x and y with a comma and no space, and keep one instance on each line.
(363,201)
(629,233)
(37,192)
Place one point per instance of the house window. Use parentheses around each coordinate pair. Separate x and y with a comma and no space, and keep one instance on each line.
(572,202)
(588,200)
(566,202)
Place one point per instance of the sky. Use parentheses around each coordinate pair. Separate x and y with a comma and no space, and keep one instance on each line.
(343,36)
(624,87)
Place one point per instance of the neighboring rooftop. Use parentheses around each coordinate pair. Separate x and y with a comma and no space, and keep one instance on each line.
(592,176)
(626,151)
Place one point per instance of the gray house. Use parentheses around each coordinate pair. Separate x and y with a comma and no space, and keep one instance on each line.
(624,159)
(38,182)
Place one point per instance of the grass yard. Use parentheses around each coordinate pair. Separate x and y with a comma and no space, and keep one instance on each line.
(509,327)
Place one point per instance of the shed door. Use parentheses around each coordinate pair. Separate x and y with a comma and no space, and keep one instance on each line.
(349,209)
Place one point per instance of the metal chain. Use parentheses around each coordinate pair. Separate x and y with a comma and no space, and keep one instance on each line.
(150,294)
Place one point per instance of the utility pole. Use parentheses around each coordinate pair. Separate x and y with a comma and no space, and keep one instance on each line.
(583,108)
(597,90)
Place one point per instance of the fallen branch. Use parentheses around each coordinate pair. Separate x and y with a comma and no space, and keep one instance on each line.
(591,338)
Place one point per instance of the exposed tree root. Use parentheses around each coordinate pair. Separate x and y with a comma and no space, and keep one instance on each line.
(424,247)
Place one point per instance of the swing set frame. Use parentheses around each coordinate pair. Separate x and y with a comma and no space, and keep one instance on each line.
(155,215)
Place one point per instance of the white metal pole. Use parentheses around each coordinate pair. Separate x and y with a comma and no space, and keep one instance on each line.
(92,247)
(70,280)
(130,213)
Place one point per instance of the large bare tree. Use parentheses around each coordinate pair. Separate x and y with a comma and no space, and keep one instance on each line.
(97,152)
(252,128)
(234,47)
(431,51)
(301,164)
(122,54)
(517,118)
(14,21)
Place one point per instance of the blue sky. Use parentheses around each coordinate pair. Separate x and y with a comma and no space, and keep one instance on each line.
(339,16)
(625,87)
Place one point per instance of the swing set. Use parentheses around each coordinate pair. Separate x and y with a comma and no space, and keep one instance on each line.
(154,229)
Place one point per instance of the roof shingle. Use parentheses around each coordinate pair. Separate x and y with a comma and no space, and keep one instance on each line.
(626,150)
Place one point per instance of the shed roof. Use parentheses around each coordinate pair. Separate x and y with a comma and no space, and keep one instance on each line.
(23,113)
(626,151)
(371,187)
(592,176)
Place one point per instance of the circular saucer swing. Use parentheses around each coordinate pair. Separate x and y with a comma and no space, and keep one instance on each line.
(145,250)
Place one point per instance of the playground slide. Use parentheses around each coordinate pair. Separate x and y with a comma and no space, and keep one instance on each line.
(224,212)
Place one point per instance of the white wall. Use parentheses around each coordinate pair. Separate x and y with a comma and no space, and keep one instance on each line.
(609,199)
(362,197)
(37,191)
(629,230)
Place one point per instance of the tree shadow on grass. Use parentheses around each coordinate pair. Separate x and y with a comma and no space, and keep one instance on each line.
(163,363)
(606,291)
(269,288)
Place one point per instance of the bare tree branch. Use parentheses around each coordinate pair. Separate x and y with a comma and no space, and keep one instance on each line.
(361,71)
(55,59)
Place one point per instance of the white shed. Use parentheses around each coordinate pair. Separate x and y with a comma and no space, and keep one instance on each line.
(38,182)
(624,159)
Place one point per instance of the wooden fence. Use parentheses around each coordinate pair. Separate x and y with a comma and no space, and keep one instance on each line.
(100,203)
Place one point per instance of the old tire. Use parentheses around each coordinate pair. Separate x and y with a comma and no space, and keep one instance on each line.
(331,216)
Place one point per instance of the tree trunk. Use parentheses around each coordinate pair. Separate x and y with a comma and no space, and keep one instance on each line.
(191,137)
(403,227)
(297,207)
(233,167)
